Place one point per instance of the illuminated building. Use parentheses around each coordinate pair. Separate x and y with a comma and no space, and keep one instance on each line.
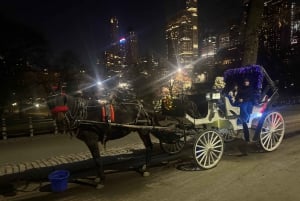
(111,55)
(131,48)
(229,49)
(114,56)
(275,32)
(182,36)
(209,47)
(223,40)
(295,24)
(191,6)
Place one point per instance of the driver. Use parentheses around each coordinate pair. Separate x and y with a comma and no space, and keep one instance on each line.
(245,100)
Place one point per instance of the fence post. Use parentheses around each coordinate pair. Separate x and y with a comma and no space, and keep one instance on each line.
(30,127)
(55,127)
(4,130)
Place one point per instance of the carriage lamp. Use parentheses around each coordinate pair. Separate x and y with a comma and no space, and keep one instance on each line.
(213,96)
(216,96)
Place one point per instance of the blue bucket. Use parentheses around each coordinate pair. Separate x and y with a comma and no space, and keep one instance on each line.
(59,180)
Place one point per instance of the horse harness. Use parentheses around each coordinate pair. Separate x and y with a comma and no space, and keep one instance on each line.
(108,116)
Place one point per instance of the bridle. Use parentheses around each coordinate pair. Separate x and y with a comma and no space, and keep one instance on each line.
(69,113)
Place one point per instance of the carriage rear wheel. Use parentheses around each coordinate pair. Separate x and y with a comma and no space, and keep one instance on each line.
(208,149)
(173,148)
(227,134)
(271,131)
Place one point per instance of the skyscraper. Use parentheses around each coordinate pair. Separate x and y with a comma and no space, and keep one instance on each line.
(192,8)
(295,24)
(182,36)
(131,48)
(114,32)
(275,33)
(114,56)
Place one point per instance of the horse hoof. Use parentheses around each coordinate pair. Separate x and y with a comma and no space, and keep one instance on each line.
(97,180)
(146,174)
(99,186)
(143,168)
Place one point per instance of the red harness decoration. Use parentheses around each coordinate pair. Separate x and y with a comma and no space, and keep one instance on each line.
(112,113)
(108,113)
(103,113)
(57,109)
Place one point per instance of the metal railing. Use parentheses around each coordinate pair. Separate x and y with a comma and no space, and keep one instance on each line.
(29,127)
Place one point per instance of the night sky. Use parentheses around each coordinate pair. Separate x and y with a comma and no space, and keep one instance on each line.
(83,26)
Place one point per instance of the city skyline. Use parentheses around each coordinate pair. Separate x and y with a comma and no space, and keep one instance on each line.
(84,27)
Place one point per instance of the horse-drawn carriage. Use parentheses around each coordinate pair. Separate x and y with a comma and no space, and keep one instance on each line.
(221,122)
(177,120)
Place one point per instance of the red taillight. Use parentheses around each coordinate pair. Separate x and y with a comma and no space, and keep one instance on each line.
(263,107)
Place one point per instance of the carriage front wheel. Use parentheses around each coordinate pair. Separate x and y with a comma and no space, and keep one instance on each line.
(208,149)
(270,131)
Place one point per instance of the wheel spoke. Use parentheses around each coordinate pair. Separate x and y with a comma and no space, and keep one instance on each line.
(279,132)
(267,140)
(265,135)
(213,141)
(209,157)
(202,141)
(216,150)
(203,157)
(205,140)
(216,140)
(278,125)
(275,121)
(205,161)
(201,153)
(214,154)
(218,146)
(200,146)
(275,137)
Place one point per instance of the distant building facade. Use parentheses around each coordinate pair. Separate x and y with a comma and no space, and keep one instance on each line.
(182,36)
(122,52)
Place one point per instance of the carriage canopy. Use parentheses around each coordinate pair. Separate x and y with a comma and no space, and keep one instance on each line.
(259,79)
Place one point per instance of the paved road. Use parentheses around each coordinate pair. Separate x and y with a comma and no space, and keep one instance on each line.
(48,152)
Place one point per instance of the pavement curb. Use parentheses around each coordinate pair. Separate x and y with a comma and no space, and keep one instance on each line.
(41,168)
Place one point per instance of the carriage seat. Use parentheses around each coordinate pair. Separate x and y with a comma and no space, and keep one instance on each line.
(230,110)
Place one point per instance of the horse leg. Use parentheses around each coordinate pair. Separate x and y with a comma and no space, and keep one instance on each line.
(92,143)
(145,137)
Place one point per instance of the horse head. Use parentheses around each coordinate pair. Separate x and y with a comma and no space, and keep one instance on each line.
(66,109)
(57,104)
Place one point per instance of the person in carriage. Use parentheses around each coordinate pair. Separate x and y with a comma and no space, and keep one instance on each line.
(245,99)
(232,94)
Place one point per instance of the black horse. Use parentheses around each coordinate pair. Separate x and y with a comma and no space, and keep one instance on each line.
(78,115)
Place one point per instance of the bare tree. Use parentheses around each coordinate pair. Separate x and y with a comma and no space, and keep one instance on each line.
(253,23)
